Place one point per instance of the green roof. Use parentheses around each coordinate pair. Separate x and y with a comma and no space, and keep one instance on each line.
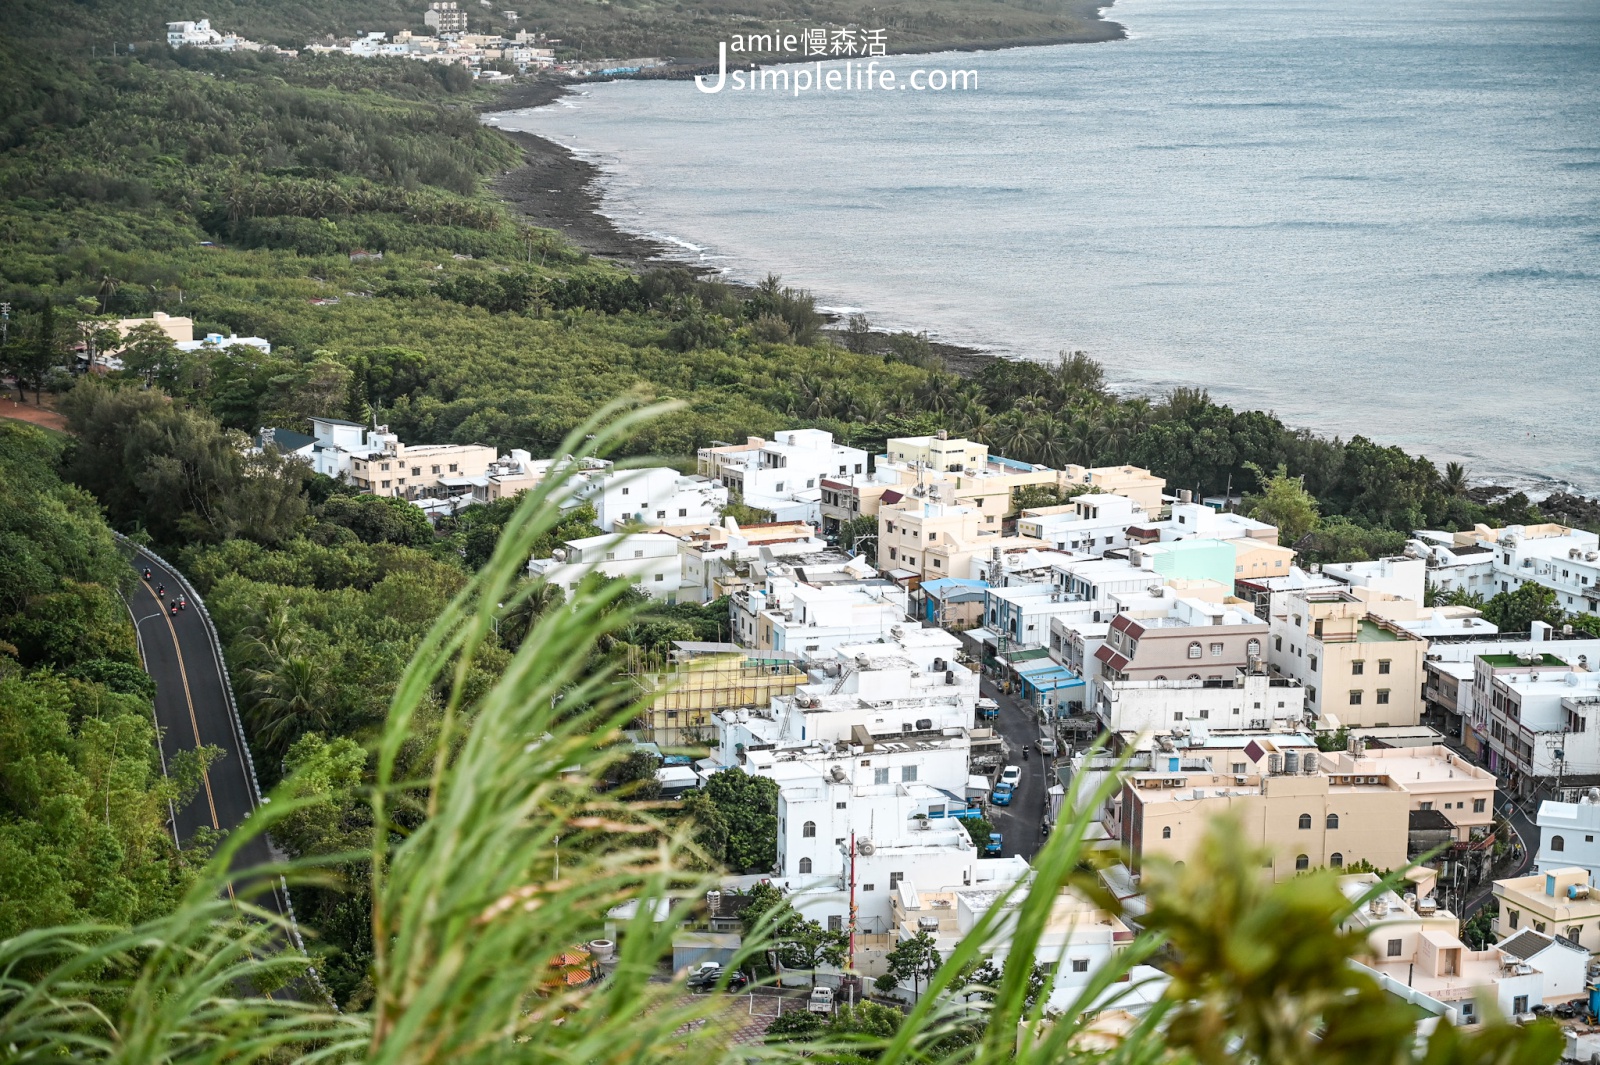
(1506,661)
(1374,633)
(1028,655)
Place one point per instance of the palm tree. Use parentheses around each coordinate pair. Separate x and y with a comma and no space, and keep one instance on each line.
(285,700)
(1454,481)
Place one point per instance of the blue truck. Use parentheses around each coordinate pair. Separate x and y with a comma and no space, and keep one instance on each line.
(1002,795)
(993,847)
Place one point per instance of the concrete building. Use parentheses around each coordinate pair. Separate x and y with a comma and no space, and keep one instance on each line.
(705,679)
(1413,944)
(1246,699)
(941,452)
(783,475)
(787,614)
(649,560)
(927,540)
(952,604)
(1450,671)
(213,342)
(1090,525)
(1556,902)
(445,17)
(1358,668)
(1165,637)
(1137,484)
(1489,561)
(1435,778)
(1305,820)
(1398,575)
(1567,836)
(1539,708)
(1078,936)
(723,559)
(654,496)
(1022,614)
(197,34)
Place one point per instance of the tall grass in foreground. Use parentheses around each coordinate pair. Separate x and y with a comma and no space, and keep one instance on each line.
(471,918)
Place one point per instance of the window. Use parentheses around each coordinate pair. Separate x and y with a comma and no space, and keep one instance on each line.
(1080,965)
(1241,768)
(638,552)
(1424,805)
(1336,860)
(1557,843)
(1301,862)
(1358,667)
(1512,917)
(869,887)
(880,776)
(1395,947)
(1166,831)
(435,469)
(1355,698)
(386,484)
(894,880)
(1383,665)
(624,491)
(1216,650)
(1519,1004)
(1253,648)
(805,865)
(661,513)
(683,512)
(660,577)
(385,465)
(1277,643)
(840,805)
(611,556)
(1313,663)
(453,468)
(416,471)
(835,923)
(1305,821)
(1333,821)
(809,831)
(1477,806)
(1574,933)
(908,773)
(1383,696)
(1194,649)
(932,537)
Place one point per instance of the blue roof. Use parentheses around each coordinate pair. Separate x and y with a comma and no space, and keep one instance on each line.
(952,582)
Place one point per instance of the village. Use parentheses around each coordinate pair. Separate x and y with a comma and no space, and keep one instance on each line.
(935,668)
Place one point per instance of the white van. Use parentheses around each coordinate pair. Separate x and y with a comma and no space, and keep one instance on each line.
(821,1000)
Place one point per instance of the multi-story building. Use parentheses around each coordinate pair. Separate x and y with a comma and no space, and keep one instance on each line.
(1137,484)
(445,17)
(705,679)
(1436,779)
(1091,525)
(1247,699)
(1449,687)
(1022,613)
(783,475)
(1078,935)
(1489,561)
(1556,902)
(1358,668)
(788,614)
(1305,820)
(1397,575)
(657,495)
(1413,947)
(722,559)
(198,34)
(1568,832)
(649,560)
(939,452)
(927,540)
(1539,707)
(1165,637)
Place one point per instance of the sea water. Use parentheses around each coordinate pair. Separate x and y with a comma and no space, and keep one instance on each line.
(1368,216)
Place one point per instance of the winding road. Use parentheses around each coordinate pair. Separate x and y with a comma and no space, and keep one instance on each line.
(192,710)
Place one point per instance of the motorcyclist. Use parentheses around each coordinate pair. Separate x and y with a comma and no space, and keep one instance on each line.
(147,573)
(174,607)
(161,591)
(1025,750)
(183,601)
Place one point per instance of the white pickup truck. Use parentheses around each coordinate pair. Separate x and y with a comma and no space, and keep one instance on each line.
(821,1000)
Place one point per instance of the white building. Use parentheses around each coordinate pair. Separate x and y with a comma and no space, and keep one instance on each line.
(1248,701)
(1090,525)
(783,475)
(1489,561)
(216,342)
(198,33)
(1567,836)
(654,496)
(649,560)
(1190,521)
(1024,613)
(1413,948)
(1396,575)
(789,614)
(1539,713)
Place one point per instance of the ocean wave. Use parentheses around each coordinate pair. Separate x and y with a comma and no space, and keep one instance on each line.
(1539,273)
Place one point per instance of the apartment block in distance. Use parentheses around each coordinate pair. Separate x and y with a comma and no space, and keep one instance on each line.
(1359,669)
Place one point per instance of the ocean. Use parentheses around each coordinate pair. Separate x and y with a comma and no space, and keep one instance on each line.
(1366,216)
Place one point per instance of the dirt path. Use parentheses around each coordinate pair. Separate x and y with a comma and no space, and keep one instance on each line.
(27,412)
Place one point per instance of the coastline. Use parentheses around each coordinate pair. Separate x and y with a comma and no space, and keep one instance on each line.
(558,190)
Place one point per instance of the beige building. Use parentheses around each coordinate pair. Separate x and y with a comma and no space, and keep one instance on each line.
(393,469)
(1359,669)
(1173,636)
(1255,557)
(178,330)
(1306,821)
(1138,484)
(1435,778)
(706,679)
(933,540)
(938,452)
(1559,902)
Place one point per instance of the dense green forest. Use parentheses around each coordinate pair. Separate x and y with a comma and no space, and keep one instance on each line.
(234,189)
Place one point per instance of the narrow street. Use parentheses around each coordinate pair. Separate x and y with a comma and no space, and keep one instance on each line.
(1019,822)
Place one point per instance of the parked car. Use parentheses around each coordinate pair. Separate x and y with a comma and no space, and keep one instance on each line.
(738,981)
(993,848)
(1002,795)
(1047,744)
(1011,774)
(821,1000)
(705,976)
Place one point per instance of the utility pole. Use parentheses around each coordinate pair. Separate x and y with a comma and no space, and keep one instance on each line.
(5,323)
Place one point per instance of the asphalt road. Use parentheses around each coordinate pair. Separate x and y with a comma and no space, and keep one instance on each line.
(1527,837)
(1019,822)
(191,710)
